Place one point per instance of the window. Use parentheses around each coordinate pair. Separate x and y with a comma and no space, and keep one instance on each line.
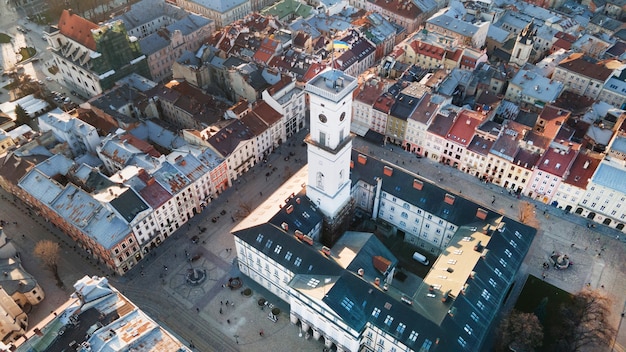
(413,336)
(277,249)
(288,255)
(375,312)
(388,320)
(400,328)
(320,180)
(298,261)
(259,238)
(474,316)
(468,329)
(347,303)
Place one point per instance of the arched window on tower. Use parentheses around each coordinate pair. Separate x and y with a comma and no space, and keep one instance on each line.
(320,181)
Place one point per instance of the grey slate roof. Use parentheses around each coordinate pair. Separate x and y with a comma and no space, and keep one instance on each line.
(148,10)
(152,43)
(219,5)
(610,176)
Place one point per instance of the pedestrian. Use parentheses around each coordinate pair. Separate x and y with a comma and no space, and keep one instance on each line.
(226,302)
(221,303)
(221,312)
(197,310)
(261,333)
(228,321)
(572,245)
(543,276)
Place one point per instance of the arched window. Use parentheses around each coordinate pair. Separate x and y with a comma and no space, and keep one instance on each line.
(320,180)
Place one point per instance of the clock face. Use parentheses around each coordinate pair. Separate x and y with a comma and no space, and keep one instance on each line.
(323,118)
(342,116)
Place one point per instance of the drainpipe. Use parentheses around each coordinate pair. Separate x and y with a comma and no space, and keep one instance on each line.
(379,186)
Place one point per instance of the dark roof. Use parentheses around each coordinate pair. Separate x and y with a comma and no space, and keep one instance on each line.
(441,124)
(302,215)
(485,293)
(228,138)
(287,251)
(128,205)
(355,300)
(430,198)
(403,106)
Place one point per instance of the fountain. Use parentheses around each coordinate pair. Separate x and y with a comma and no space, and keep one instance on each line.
(195,276)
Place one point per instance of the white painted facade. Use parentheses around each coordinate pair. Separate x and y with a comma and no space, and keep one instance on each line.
(329,143)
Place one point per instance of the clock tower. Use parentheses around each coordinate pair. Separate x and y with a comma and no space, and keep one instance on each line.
(330,142)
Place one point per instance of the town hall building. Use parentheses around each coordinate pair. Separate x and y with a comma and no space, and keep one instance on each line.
(349,288)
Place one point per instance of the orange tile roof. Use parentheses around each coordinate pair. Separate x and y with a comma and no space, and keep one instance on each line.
(77,28)
(464,127)
(266,113)
(428,50)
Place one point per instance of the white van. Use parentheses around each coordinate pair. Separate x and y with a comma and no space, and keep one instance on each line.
(420,258)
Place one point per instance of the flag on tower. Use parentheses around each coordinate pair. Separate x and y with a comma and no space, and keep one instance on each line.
(338,44)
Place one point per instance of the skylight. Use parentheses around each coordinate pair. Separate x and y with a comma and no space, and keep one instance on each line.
(313,282)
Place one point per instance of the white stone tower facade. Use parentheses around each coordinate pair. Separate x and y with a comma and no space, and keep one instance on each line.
(330,141)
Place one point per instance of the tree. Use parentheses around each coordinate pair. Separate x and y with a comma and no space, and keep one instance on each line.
(585,322)
(244,209)
(527,214)
(520,331)
(48,252)
(21,116)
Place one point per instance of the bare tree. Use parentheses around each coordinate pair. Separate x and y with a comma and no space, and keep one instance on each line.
(527,214)
(49,252)
(244,209)
(520,332)
(585,322)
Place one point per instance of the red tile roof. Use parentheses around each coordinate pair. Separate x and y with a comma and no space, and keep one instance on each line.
(266,113)
(552,119)
(284,81)
(402,8)
(384,103)
(154,194)
(582,65)
(556,161)
(427,50)
(582,169)
(77,29)
(464,127)
(141,145)
(369,91)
